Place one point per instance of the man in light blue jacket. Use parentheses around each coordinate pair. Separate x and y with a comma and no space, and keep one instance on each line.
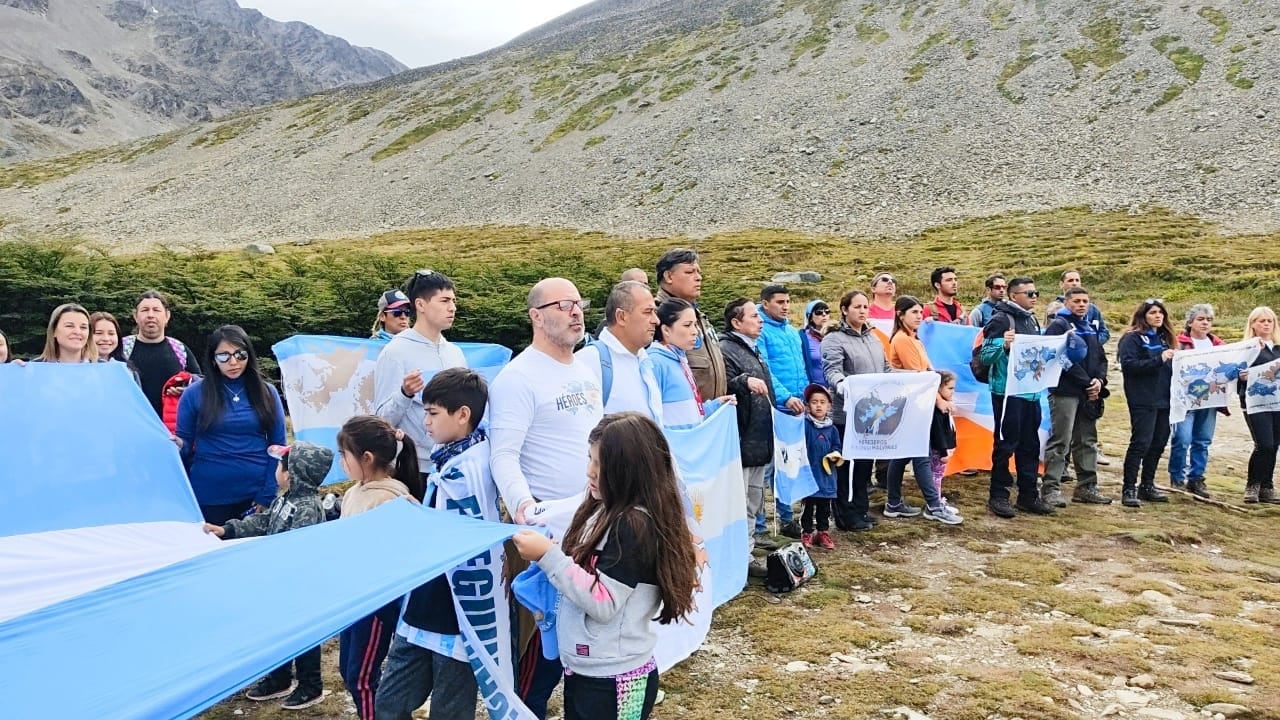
(781,348)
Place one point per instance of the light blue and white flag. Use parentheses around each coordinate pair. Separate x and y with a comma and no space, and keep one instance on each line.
(109,557)
(1262,394)
(1207,377)
(792,476)
(888,415)
(329,380)
(1036,363)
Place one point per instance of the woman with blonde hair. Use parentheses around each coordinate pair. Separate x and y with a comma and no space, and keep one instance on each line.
(67,340)
(1264,427)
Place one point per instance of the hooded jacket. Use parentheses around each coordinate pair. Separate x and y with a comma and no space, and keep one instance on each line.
(410,350)
(820,442)
(755,412)
(1076,379)
(299,506)
(994,354)
(811,342)
(680,408)
(704,359)
(850,352)
(781,348)
(1147,376)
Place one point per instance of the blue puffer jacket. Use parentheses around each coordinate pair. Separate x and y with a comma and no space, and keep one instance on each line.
(811,341)
(780,346)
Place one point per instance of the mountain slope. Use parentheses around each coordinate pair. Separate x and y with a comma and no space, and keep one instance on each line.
(81,73)
(647,117)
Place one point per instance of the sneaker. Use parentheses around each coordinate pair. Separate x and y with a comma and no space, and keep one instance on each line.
(823,540)
(1000,507)
(806,539)
(1090,496)
(870,519)
(1054,498)
(944,514)
(757,568)
(765,541)
(901,510)
(303,698)
(1149,493)
(1196,487)
(1103,459)
(1129,498)
(268,689)
(861,524)
(791,529)
(1035,506)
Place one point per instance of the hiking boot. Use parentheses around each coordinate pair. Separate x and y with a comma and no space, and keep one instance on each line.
(1054,498)
(861,524)
(1176,483)
(806,539)
(1149,493)
(269,689)
(1000,507)
(765,541)
(869,518)
(757,568)
(1103,459)
(1035,506)
(1267,495)
(791,529)
(944,514)
(901,510)
(1090,496)
(303,698)
(1129,498)
(1251,492)
(823,540)
(1196,487)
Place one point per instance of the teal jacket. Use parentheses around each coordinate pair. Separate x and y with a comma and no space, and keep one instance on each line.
(993,353)
(781,348)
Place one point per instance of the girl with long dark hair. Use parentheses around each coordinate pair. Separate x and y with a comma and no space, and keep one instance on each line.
(1146,352)
(226,422)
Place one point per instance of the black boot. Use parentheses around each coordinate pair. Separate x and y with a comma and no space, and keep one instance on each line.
(1149,493)
(1267,495)
(1129,498)
(1196,486)
(1251,491)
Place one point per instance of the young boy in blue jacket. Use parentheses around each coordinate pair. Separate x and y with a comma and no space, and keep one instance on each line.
(822,441)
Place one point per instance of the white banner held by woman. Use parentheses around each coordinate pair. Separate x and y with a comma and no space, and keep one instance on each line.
(888,414)
(1206,378)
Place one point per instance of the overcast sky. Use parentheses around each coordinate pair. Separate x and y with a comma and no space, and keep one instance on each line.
(420,32)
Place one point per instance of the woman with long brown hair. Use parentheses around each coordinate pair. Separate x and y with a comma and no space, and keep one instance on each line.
(1146,352)
(627,559)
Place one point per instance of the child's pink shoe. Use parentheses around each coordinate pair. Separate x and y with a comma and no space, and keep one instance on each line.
(823,539)
(806,539)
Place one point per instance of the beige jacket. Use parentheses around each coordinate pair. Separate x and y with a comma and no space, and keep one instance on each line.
(363,497)
(705,361)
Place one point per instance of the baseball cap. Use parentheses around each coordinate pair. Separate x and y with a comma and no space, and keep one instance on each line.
(392,299)
(813,389)
(278,451)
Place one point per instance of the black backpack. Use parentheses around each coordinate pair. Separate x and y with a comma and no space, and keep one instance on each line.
(981,371)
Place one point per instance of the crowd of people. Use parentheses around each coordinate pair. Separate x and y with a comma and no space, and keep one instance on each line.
(563,416)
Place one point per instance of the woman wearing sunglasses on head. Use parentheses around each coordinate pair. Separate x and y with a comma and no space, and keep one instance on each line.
(1146,353)
(226,422)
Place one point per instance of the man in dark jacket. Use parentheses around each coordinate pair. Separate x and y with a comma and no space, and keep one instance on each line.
(1075,406)
(1017,419)
(749,380)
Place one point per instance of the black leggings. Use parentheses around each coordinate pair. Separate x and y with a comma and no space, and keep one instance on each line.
(1265,429)
(1148,434)
(816,506)
(629,696)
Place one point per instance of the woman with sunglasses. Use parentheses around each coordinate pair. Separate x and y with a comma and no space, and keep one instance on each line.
(1146,352)
(226,422)
(395,314)
(816,316)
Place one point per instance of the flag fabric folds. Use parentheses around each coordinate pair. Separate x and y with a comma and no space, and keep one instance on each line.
(328,380)
(888,415)
(1036,363)
(1206,378)
(792,476)
(1262,394)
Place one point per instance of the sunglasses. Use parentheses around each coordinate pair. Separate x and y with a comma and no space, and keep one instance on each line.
(821,312)
(399,313)
(884,278)
(1029,293)
(566,305)
(1153,301)
(225,357)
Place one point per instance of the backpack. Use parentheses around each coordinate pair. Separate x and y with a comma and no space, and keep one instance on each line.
(606,367)
(981,371)
(179,350)
(788,568)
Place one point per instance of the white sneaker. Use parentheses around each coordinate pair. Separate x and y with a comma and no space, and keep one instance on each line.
(944,514)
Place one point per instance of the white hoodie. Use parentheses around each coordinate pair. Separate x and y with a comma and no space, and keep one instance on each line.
(408,351)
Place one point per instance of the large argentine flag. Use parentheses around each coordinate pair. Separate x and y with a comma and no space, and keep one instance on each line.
(106,576)
(329,380)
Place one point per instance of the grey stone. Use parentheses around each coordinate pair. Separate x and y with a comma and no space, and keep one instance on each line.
(1234,676)
(1228,710)
(1145,681)
(1129,697)
(259,249)
(803,276)
(1161,713)
(1180,622)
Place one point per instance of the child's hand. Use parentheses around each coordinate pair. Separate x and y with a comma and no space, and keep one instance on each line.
(531,545)
(214,529)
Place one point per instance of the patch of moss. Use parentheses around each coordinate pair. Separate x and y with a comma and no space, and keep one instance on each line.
(510,101)
(870,33)
(226,131)
(445,123)
(1013,68)
(1106,50)
(915,73)
(588,115)
(593,141)
(816,39)
(675,89)
(1162,43)
(1234,76)
(1141,75)
(931,42)
(1187,63)
(997,13)
(1033,568)
(969,48)
(1171,93)
(1218,20)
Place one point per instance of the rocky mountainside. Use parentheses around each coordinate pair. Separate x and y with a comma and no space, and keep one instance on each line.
(650,117)
(83,73)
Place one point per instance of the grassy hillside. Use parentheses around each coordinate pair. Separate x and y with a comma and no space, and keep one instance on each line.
(330,287)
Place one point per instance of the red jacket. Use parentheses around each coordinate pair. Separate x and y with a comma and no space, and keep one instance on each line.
(940,313)
(169,403)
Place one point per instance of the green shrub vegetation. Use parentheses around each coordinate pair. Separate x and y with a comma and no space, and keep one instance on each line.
(444,123)
(1011,70)
(870,33)
(1187,63)
(997,13)
(227,131)
(1218,20)
(1106,50)
(1234,70)
(1171,93)
(330,287)
(931,42)
(915,73)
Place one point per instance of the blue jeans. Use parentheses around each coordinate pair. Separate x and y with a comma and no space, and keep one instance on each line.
(786,513)
(923,470)
(412,674)
(1193,434)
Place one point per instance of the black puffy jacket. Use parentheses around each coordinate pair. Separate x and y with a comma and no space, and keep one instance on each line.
(755,412)
(1147,375)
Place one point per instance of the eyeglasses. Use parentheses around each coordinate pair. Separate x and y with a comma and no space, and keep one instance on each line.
(566,305)
(225,357)
(399,313)
(1029,293)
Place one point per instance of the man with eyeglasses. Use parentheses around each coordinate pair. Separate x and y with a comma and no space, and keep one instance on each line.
(542,407)
(1017,418)
(394,315)
(981,313)
(626,376)
(680,276)
(422,349)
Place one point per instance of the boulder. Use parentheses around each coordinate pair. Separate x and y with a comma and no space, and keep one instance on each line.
(803,276)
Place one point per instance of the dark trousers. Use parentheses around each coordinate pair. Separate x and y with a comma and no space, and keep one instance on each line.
(1017,436)
(414,674)
(361,650)
(816,506)
(625,697)
(220,514)
(1265,429)
(1148,434)
(537,677)
(305,667)
(853,481)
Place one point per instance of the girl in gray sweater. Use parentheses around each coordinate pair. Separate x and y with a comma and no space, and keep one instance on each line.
(626,560)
